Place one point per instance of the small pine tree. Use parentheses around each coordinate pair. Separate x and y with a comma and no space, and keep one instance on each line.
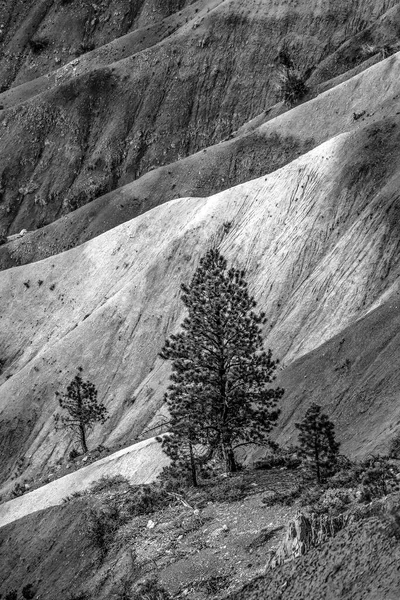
(317,440)
(220,396)
(84,410)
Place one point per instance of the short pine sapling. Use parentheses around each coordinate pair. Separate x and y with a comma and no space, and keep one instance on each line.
(317,441)
(82,407)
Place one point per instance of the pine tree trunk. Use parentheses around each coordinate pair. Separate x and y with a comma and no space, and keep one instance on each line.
(229,457)
(82,434)
(317,465)
(193,466)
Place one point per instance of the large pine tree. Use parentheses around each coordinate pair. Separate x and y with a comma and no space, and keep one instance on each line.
(220,397)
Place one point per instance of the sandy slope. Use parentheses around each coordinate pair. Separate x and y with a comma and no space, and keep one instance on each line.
(319,239)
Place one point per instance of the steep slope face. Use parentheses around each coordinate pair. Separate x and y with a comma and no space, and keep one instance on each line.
(256,150)
(356,377)
(359,563)
(56,552)
(101,128)
(38,37)
(318,238)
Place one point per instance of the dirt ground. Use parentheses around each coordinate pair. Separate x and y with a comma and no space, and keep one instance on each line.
(215,545)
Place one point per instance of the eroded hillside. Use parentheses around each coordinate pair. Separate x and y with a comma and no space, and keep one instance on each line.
(176,80)
(318,238)
(134,136)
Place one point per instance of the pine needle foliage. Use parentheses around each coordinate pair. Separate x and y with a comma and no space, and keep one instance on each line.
(83,408)
(317,441)
(220,396)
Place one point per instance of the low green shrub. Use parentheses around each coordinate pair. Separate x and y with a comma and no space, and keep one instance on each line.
(109,482)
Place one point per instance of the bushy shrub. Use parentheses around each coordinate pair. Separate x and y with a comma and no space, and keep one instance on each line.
(3,237)
(102,524)
(74,453)
(18,490)
(38,45)
(108,482)
(175,478)
(145,499)
(311,496)
(85,47)
(291,85)
(333,501)
(375,477)
(104,521)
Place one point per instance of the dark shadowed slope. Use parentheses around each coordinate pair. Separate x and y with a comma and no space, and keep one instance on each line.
(356,377)
(360,563)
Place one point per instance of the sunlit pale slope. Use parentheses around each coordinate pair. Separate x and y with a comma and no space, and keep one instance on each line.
(318,238)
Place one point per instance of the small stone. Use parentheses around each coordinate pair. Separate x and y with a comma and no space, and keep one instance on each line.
(150,524)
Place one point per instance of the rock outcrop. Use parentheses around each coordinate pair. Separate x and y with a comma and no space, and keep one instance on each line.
(305,532)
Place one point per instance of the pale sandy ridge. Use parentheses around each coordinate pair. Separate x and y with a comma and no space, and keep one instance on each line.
(140,463)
